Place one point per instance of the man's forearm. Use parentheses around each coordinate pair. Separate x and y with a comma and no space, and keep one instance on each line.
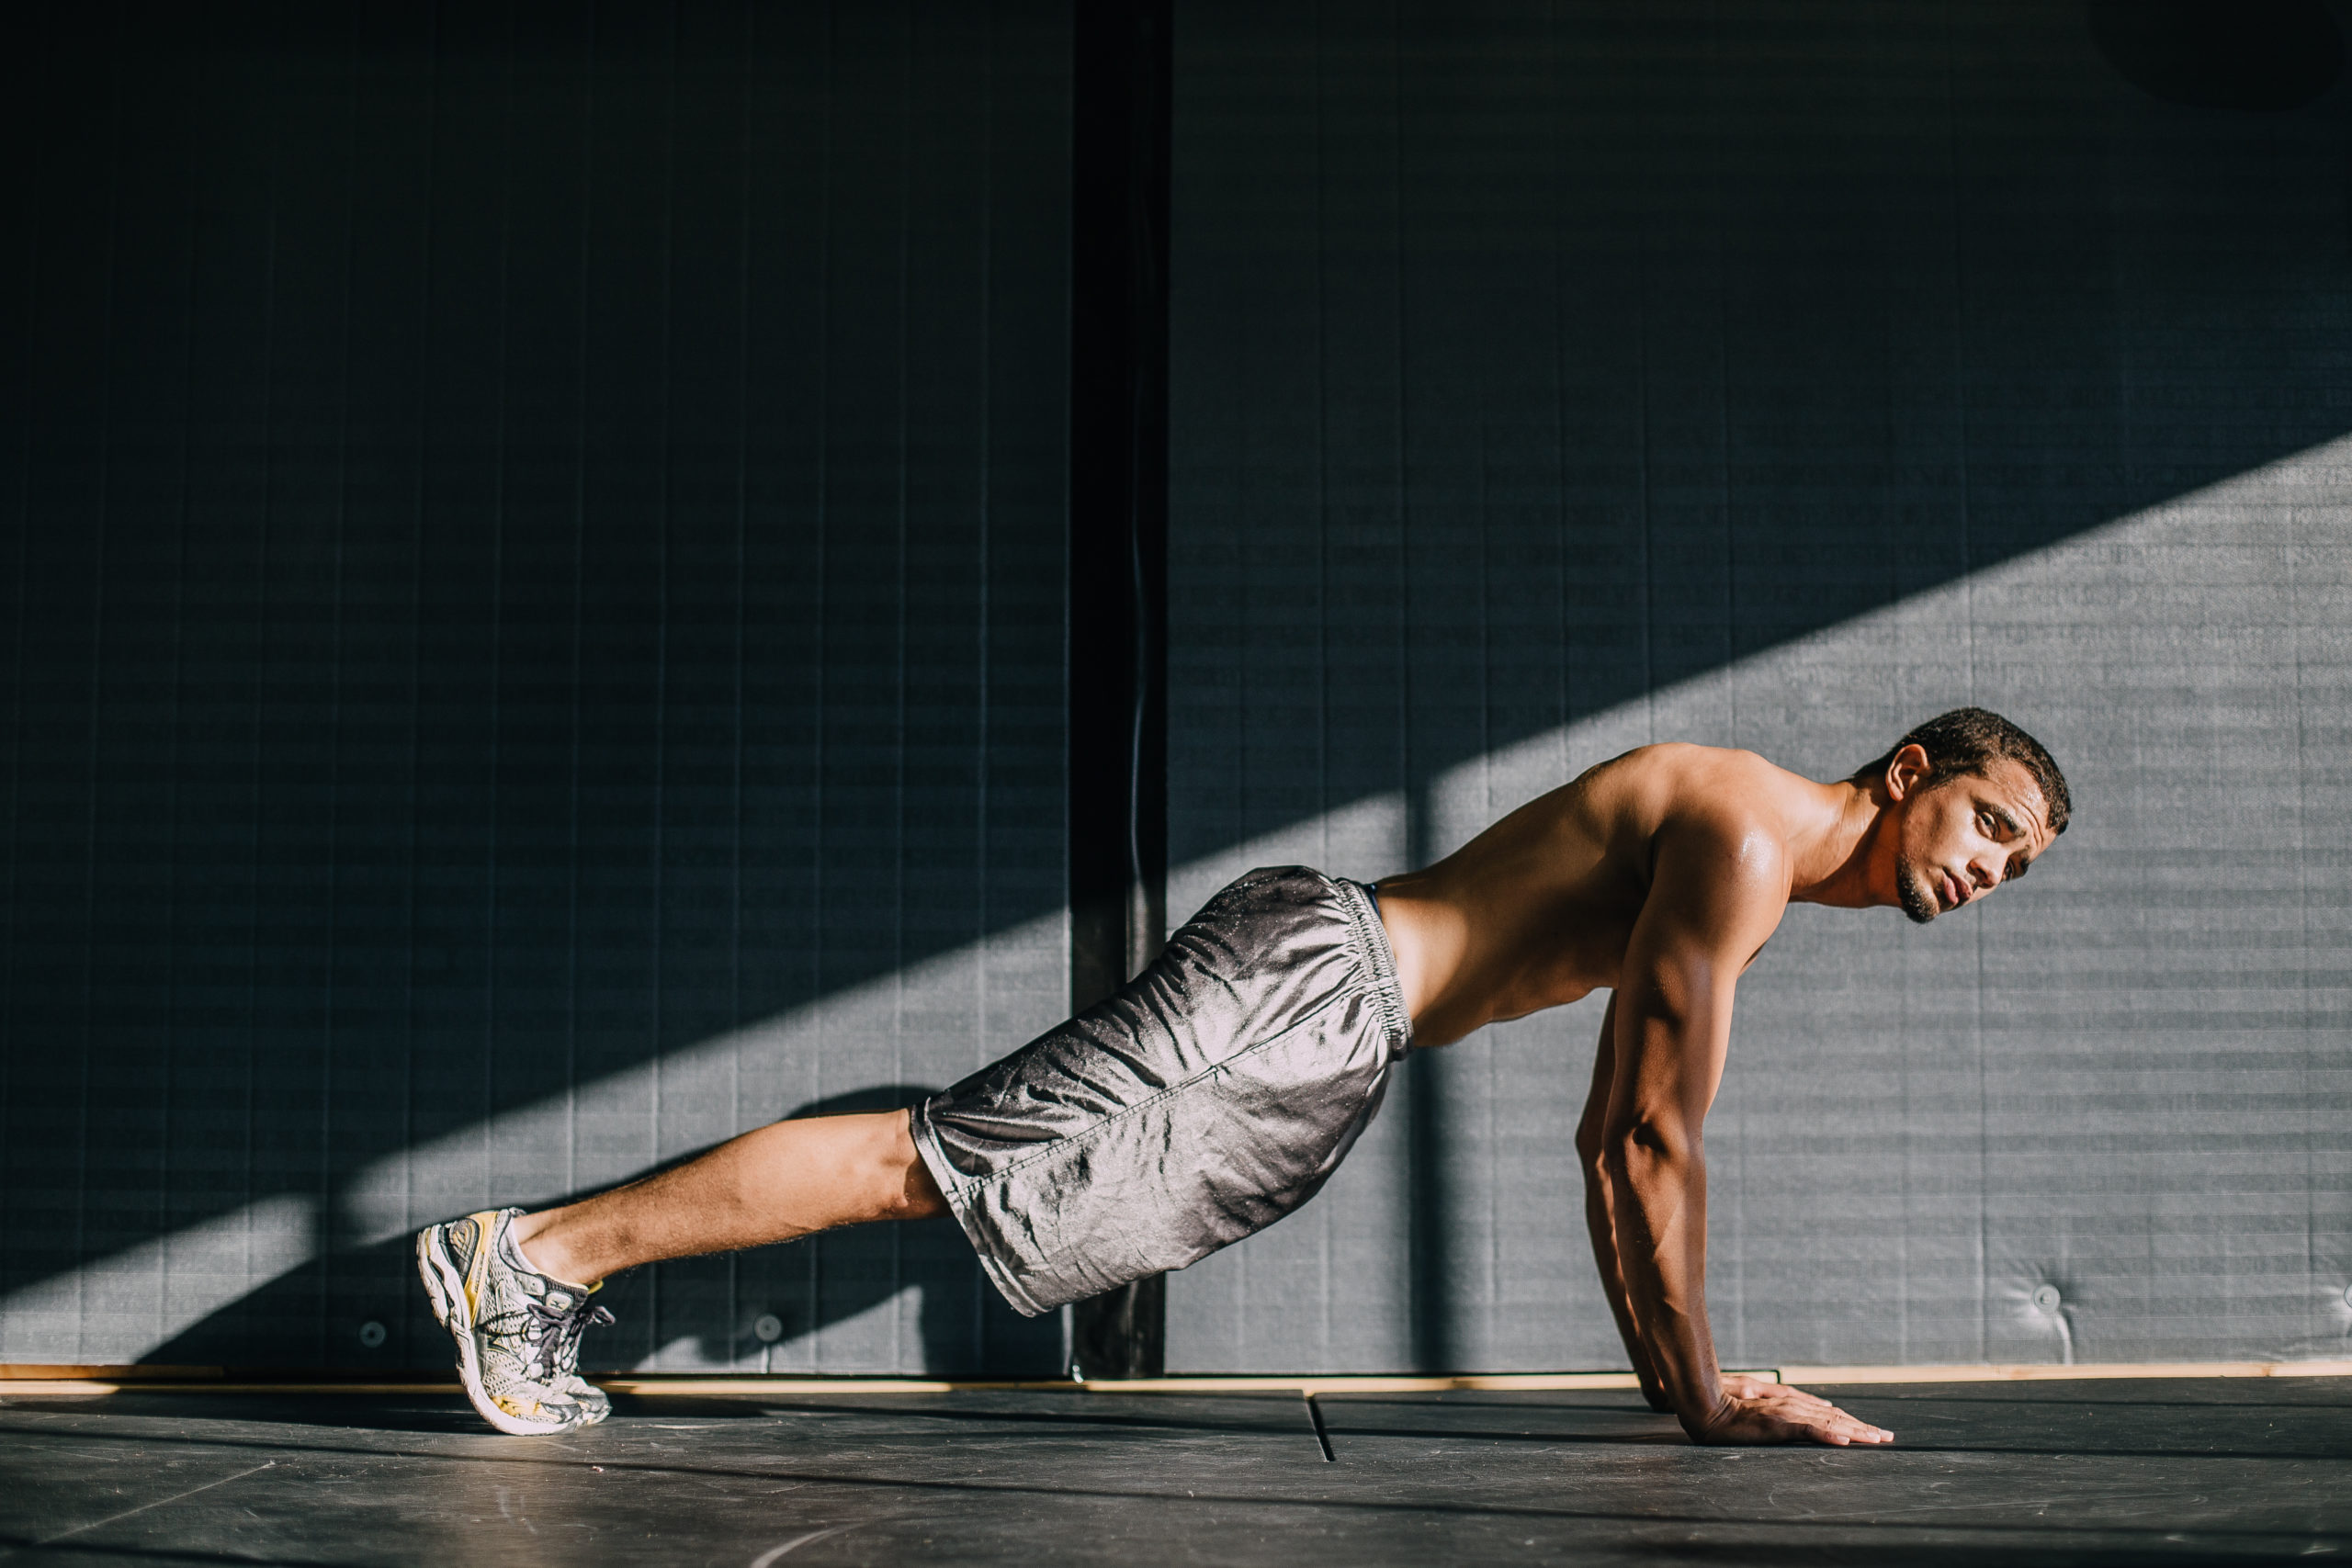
(1658,1200)
(1612,1281)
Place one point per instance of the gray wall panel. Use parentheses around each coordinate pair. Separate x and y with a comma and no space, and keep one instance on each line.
(1550,381)
(534,644)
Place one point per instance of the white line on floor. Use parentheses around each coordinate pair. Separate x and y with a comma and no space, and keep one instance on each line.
(795,1544)
(158,1503)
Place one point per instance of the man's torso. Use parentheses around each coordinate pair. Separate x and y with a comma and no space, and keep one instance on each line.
(1537,910)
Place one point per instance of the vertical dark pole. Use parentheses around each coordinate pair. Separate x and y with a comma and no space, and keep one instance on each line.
(1118,556)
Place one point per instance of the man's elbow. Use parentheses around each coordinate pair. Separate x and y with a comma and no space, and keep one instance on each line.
(1592,1145)
(1647,1148)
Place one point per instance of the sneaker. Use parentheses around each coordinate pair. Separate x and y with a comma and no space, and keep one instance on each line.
(517,1330)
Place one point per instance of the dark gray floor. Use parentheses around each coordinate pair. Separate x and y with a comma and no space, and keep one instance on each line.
(2013,1475)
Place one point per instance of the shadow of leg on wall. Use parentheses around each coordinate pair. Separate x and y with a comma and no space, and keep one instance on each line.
(830,1300)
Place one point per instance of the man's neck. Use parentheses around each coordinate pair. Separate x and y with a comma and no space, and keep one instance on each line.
(1831,855)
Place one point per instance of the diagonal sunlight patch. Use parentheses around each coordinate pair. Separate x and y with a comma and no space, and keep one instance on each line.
(444,1176)
(2198,555)
(117,1309)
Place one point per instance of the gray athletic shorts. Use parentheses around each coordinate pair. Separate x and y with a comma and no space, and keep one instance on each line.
(1208,1099)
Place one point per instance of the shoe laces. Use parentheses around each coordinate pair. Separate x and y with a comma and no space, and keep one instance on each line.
(554,1334)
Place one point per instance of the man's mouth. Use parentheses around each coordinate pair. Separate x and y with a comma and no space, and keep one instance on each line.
(1953,896)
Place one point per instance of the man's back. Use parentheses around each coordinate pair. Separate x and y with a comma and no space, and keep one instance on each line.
(1538,910)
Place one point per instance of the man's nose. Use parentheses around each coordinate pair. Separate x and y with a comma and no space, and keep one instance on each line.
(1986,870)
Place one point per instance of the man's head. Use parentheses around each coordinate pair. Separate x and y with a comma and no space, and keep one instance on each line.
(1972,800)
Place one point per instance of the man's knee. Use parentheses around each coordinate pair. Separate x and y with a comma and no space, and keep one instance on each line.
(902,1186)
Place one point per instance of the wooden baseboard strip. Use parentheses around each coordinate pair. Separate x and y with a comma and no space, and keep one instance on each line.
(11,1388)
(49,1372)
(84,1382)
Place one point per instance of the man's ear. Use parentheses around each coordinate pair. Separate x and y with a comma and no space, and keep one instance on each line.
(1907,771)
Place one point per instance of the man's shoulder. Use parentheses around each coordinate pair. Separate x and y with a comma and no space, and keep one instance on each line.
(1716,785)
(1731,808)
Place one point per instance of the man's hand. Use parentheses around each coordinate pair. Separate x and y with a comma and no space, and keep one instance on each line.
(1757,1410)
(1748,1385)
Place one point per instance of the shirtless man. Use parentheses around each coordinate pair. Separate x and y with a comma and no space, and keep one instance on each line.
(1220,1088)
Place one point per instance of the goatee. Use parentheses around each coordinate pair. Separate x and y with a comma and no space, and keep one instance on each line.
(1919,902)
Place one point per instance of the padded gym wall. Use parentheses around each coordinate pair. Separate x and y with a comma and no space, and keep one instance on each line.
(1548,380)
(534,542)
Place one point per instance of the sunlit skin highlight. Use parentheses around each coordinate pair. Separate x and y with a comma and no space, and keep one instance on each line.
(1659,876)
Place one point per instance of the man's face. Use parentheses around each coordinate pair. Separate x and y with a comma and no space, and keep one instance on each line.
(1962,836)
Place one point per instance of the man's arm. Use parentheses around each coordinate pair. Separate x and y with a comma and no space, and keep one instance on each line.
(1590,1149)
(1717,891)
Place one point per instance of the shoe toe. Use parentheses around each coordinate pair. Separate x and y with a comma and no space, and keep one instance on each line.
(552,1414)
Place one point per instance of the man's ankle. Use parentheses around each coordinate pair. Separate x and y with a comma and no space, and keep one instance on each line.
(544,1254)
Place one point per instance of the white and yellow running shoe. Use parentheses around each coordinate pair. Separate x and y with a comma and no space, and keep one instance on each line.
(517,1330)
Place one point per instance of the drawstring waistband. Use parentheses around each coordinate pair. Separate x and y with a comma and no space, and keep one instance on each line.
(1363,910)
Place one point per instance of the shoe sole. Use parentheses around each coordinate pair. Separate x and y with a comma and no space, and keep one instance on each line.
(444,1287)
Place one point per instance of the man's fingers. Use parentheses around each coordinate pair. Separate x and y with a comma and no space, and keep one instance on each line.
(1843,1429)
(1825,1423)
(1863,1431)
(1822,1420)
(1780,1415)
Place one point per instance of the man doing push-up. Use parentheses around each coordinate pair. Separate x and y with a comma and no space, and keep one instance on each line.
(1218,1089)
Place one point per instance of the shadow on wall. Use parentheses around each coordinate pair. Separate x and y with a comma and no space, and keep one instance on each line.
(531,542)
(960,1325)
(2205,53)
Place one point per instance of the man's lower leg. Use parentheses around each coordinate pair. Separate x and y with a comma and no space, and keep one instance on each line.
(786,1179)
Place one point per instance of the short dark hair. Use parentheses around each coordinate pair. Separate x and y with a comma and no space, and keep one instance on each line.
(1965,740)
